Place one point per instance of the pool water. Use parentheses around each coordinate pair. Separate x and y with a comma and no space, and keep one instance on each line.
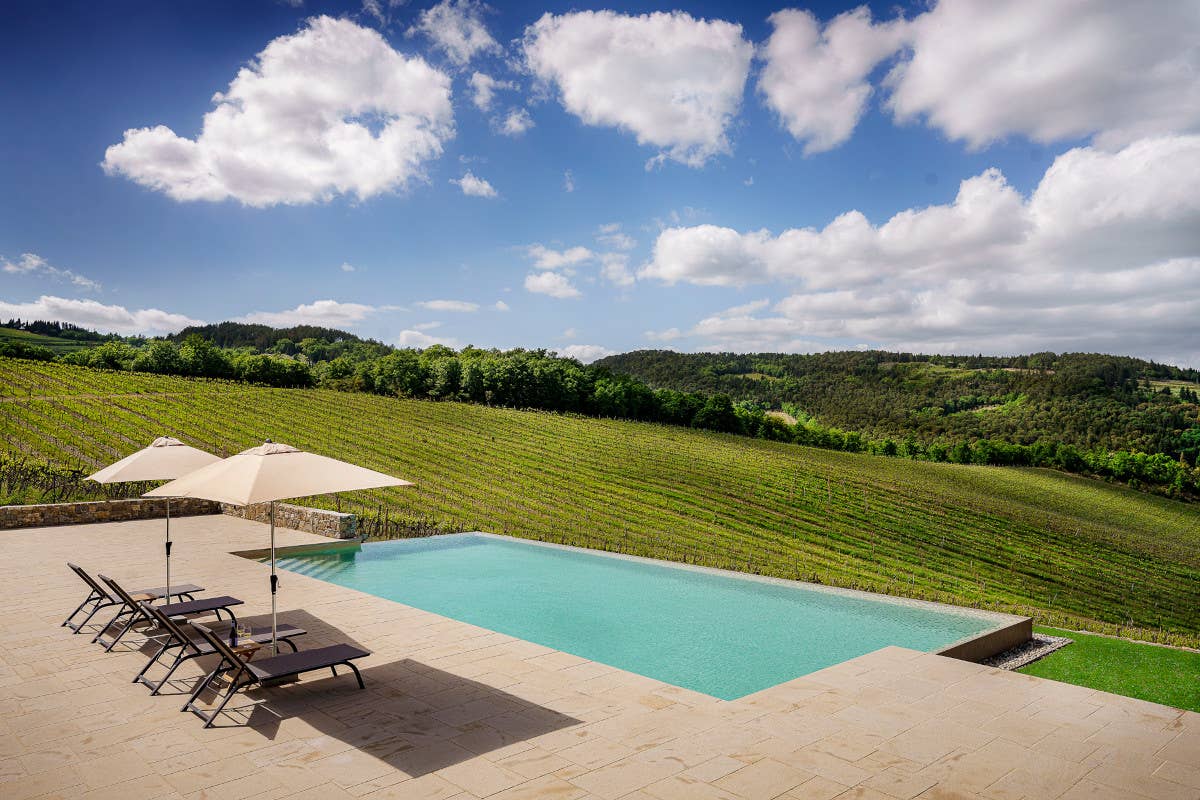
(719,634)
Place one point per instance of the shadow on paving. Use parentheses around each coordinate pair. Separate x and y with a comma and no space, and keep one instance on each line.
(407,715)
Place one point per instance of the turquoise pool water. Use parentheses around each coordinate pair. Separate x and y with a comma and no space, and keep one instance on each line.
(721,635)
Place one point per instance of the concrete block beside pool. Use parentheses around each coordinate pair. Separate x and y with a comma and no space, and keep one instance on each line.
(721,633)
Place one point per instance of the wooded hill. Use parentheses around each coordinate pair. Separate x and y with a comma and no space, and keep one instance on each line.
(1085,400)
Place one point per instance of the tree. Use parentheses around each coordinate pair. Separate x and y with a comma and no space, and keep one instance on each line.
(717,415)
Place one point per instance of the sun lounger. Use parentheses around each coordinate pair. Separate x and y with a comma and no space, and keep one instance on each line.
(100,598)
(131,613)
(187,644)
(249,671)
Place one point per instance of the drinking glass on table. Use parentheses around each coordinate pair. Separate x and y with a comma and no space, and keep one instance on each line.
(240,631)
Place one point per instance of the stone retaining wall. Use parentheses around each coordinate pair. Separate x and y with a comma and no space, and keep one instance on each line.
(333,524)
(37,516)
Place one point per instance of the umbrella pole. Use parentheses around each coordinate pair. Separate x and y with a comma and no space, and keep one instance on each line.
(168,550)
(274,583)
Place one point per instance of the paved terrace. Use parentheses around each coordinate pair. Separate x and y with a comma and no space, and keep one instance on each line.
(455,711)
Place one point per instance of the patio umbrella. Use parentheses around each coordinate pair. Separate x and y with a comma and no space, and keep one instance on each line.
(272,472)
(164,459)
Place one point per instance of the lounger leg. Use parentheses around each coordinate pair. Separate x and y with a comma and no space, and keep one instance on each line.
(123,612)
(202,685)
(78,628)
(357,674)
(333,669)
(179,659)
(132,621)
(79,608)
(153,660)
(290,644)
(234,686)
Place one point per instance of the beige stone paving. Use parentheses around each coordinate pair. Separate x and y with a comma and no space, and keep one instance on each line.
(456,712)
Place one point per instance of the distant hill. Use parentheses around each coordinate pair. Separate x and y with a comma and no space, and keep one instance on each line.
(1086,400)
(260,337)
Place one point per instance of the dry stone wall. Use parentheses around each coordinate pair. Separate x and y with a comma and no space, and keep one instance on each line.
(37,516)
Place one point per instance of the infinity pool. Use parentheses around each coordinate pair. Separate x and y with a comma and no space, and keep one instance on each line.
(716,633)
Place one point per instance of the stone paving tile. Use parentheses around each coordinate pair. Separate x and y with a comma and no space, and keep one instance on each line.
(456,712)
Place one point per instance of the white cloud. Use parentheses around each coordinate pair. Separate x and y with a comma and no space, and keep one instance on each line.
(484,88)
(379,10)
(501,306)
(328,111)
(324,313)
(427,326)
(980,71)
(457,306)
(473,186)
(614,267)
(568,181)
(516,122)
(815,77)
(545,258)
(348,267)
(668,335)
(456,28)
(420,340)
(612,237)
(587,353)
(33,264)
(550,283)
(98,316)
(1103,255)
(674,81)
(570,333)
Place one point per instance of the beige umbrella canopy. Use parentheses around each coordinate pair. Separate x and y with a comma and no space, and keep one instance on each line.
(272,472)
(164,459)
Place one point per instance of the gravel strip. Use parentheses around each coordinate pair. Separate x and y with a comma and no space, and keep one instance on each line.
(1039,646)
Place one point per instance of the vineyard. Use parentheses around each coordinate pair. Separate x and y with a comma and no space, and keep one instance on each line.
(1069,551)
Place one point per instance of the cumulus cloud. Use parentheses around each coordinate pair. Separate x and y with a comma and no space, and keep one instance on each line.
(98,316)
(1103,255)
(420,340)
(484,88)
(550,283)
(456,28)
(614,268)
(501,306)
(612,237)
(328,111)
(33,264)
(980,71)
(546,258)
(458,306)
(324,313)
(348,267)
(568,181)
(587,353)
(673,81)
(816,77)
(473,186)
(668,335)
(516,122)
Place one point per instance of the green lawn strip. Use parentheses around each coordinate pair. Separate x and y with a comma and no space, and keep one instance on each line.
(1159,674)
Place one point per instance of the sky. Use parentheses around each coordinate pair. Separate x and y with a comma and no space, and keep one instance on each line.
(953,176)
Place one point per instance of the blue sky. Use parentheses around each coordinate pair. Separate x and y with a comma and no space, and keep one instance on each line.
(674,184)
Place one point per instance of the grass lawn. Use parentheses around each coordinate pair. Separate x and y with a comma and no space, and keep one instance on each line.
(1159,674)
